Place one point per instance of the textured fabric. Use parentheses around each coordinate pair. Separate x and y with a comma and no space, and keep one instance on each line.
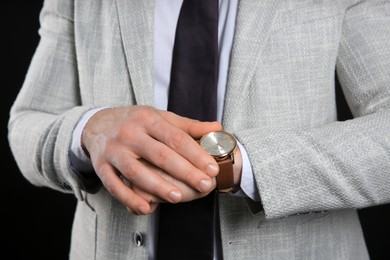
(280,103)
(185,230)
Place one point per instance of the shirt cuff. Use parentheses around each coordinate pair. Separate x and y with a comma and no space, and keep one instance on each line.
(248,187)
(79,160)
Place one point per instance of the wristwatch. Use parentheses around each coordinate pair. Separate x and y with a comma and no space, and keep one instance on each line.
(221,146)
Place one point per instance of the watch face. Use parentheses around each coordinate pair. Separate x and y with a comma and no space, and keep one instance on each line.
(218,144)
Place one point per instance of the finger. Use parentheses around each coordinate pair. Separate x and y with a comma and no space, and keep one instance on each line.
(189,168)
(150,198)
(188,192)
(120,191)
(153,207)
(183,144)
(143,177)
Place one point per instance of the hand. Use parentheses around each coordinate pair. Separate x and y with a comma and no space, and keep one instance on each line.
(189,193)
(117,138)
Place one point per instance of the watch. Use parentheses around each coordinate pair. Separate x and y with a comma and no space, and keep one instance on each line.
(221,146)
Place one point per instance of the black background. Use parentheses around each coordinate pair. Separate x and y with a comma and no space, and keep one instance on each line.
(37,221)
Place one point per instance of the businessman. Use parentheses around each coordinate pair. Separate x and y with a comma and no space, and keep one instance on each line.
(91,119)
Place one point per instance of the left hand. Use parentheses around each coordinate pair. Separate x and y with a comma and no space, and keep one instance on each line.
(188,193)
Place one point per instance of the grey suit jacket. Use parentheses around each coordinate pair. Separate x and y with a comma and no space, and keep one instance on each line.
(311,170)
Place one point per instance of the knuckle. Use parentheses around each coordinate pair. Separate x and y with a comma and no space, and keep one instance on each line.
(146,116)
(102,170)
(121,132)
(126,133)
(133,203)
(189,175)
(177,140)
(111,189)
(131,171)
(131,136)
(138,119)
(163,156)
(109,148)
(130,202)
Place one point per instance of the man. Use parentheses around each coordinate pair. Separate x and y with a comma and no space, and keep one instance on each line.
(94,70)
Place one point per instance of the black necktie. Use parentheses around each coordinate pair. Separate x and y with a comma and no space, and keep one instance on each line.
(186,229)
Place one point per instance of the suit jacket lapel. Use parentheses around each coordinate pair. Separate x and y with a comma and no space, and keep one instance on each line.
(254,21)
(137,36)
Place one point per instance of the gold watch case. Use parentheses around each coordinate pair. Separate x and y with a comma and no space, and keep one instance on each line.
(218,144)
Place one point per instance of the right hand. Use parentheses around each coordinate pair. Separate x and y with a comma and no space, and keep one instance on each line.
(118,139)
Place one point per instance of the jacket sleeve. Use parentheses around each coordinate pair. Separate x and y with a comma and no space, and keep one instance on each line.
(48,106)
(340,164)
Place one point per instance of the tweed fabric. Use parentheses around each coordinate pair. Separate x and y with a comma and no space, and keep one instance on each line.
(280,103)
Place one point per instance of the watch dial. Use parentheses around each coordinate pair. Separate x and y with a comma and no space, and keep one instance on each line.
(218,144)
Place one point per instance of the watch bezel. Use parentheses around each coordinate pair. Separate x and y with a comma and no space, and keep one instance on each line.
(222,155)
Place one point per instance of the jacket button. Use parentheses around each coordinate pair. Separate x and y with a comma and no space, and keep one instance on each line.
(138,238)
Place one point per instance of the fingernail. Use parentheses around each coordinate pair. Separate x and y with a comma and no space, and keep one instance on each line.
(205,185)
(212,169)
(143,209)
(175,196)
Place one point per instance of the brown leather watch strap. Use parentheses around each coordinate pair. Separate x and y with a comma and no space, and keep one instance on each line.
(225,178)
